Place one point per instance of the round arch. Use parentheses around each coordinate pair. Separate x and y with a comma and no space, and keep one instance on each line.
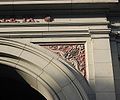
(44,71)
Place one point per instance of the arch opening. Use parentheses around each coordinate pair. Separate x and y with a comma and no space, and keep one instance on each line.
(14,87)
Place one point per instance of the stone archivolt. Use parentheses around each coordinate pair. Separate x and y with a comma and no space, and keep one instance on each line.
(36,65)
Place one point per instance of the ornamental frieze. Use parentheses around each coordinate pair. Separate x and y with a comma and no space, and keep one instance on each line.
(74,54)
(26,20)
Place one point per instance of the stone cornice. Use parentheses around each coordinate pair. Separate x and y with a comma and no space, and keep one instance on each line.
(70,23)
(99,33)
(82,33)
(7,2)
(60,27)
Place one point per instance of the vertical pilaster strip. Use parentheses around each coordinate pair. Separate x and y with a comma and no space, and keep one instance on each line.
(104,79)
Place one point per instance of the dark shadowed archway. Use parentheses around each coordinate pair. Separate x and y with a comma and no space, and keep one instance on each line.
(14,87)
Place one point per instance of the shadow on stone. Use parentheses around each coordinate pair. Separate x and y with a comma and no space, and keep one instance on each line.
(14,87)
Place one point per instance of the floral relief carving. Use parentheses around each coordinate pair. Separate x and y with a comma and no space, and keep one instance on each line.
(74,54)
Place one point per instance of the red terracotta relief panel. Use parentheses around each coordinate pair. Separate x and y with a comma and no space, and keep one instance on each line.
(74,54)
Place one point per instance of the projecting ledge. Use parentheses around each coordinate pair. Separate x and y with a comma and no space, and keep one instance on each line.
(6,2)
(45,34)
(99,33)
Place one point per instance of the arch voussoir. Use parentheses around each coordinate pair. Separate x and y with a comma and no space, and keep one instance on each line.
(44,72)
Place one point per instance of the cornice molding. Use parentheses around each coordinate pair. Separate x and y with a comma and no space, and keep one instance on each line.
(99,33)
(60,27)
(15,2)
(82,33)
(70,23)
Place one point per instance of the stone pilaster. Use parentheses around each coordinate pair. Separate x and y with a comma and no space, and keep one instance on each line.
(104,79)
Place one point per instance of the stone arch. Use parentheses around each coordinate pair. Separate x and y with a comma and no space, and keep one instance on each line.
(44,71)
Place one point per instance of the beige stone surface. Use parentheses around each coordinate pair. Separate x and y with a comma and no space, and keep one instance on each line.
(55,72)
(103,70)
(37,64)
(102,56)
(101,44)
(55,1)
(105,96)
(104,84)
(104,79)
(69,89)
